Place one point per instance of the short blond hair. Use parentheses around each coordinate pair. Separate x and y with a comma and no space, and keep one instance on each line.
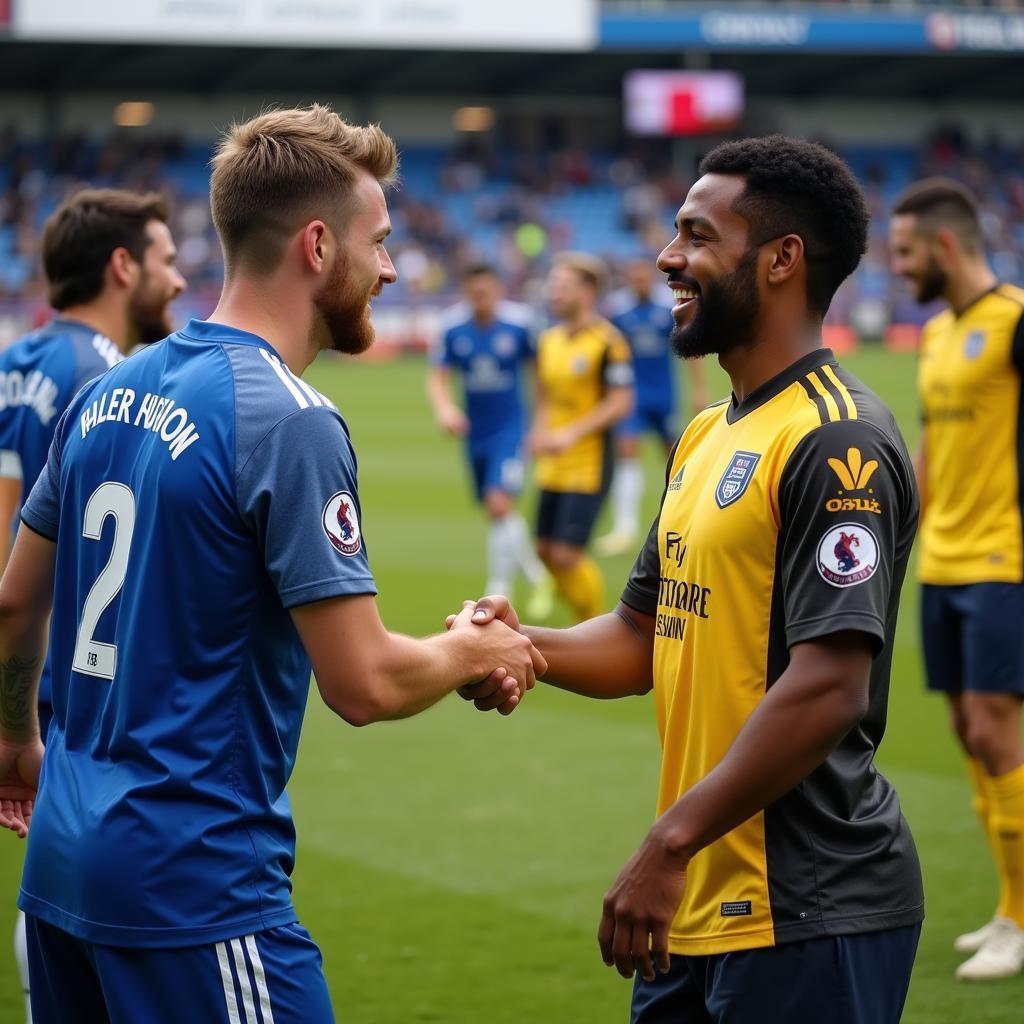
(589,269)
(273,171)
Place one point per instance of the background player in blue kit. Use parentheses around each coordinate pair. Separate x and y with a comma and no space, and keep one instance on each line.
(488,342)
(197,530)
(110,267)
(646,324)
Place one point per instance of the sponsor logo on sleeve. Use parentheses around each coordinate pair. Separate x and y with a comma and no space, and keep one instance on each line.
(341,524)
(854,475)
(737,908)
(847,555)
(677,481)
(736,478)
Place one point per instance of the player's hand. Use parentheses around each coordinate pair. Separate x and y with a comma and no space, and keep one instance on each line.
(639,909)
(552,442)
(519,662)
(493,606)
(453,421)
(19,781)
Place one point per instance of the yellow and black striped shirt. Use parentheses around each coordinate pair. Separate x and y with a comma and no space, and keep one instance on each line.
(969,381)
(786,517)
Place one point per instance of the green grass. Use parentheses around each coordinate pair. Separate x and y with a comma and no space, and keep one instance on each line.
(452,866)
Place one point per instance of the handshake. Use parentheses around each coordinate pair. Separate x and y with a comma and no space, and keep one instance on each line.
(496,634)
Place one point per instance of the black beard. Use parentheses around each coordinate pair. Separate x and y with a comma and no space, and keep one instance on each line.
(933,285)
(726,314)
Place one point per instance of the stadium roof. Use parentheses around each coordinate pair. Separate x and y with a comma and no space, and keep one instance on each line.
(58,69)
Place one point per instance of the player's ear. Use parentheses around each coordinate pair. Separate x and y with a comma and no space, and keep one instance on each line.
(946,246)
(124,268)
(785,256)
(315,245)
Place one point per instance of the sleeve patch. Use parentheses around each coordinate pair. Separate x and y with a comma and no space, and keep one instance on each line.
(341,524)
(847,555)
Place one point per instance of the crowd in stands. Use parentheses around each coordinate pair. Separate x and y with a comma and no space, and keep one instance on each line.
(476,202)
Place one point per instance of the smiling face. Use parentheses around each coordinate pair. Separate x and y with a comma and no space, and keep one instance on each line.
(361,268)
(159,284)
(712,271)
(912,256)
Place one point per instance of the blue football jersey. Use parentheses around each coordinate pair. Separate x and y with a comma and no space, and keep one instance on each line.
(39,375)
(196,492)
(647,326)
(490,359)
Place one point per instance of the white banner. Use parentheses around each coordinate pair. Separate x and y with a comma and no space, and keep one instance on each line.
(444,24)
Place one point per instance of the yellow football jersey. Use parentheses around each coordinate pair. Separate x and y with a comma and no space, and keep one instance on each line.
(574,372)
(969,381)
(786,517)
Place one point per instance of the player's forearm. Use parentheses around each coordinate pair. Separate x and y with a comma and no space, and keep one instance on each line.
(22,652)
(605,657)
(795,727)
(615,406)
(438,393)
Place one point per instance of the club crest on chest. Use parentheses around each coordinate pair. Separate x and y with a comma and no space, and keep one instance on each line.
(736,478)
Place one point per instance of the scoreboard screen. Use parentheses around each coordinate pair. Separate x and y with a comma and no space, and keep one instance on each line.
(682,102)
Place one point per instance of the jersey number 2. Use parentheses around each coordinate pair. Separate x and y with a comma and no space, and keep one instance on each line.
(109,499)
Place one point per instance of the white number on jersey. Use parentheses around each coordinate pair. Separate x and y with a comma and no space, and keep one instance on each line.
(109,499)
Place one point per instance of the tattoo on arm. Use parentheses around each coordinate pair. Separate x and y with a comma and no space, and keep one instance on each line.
(17,676)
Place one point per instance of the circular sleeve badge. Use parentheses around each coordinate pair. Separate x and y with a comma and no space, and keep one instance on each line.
(847,555)
(341,523)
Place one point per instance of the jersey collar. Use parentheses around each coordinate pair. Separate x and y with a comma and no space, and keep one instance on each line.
(208,330)
(777,384)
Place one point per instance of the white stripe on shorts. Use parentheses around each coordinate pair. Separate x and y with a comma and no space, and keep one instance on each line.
(229,984)
(243,981)
(261,979)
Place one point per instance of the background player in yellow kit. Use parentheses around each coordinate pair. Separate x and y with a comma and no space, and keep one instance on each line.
(584,387)
(972,537)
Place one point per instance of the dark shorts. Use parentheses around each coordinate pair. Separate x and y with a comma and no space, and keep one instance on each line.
(973,637)
(497,464)
(275,975)
(843,979)
(567,516)
(650,419)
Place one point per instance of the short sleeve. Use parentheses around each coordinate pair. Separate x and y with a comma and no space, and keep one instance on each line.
(618,362)
(297,492)
(641,591)
(41,511)
(848,510)
(1017,345)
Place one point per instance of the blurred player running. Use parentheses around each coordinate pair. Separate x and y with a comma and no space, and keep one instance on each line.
(198,531)
(487,341)
(646,324)
(971,474)
(584,387)
(109,261)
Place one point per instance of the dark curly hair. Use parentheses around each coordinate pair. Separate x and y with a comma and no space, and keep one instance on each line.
(800,188)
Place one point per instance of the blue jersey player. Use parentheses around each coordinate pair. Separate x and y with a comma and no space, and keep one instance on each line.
(110,268)
(198,531)
(646,324)
(489,344)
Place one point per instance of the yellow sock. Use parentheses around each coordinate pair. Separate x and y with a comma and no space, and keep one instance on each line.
(981,786)
(1006,829)
(582,586)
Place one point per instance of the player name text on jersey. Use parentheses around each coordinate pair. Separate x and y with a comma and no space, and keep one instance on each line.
(154,412)
(35,390)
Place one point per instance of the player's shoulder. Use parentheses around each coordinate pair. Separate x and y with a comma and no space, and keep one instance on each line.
(515,314)
(264,387)
(455,317)
(1011,299)
(937,325)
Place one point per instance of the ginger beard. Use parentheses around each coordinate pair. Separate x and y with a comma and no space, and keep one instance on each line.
(343,307)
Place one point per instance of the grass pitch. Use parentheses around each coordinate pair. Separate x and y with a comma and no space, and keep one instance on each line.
(452,866)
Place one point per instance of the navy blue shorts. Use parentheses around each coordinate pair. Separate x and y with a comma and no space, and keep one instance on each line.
(567,516)
(843,979)
(272,977)
(497,465)
(650,419)
(973,637)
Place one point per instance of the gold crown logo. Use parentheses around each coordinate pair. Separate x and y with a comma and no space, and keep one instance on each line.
(853,474)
